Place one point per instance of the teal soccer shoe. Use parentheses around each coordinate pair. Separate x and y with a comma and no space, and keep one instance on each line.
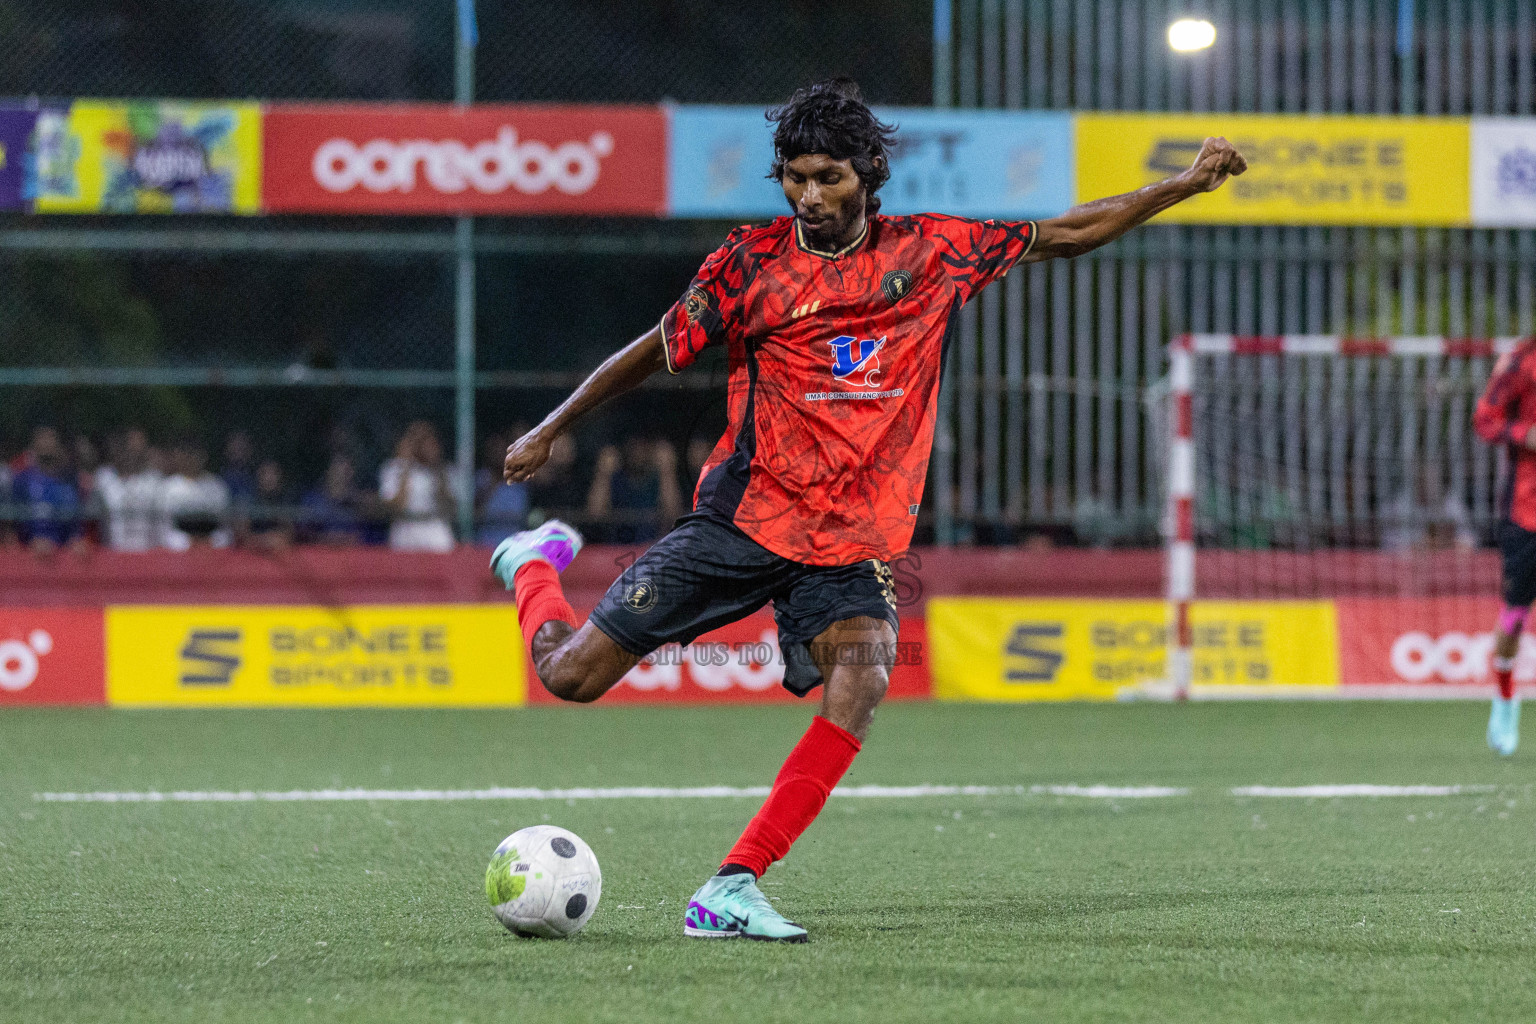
(1504,725)
(554,542)
(733,907)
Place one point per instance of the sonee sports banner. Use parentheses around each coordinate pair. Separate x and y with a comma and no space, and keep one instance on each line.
(1010,650)
(279,656)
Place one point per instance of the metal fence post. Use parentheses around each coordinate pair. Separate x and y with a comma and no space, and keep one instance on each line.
(464,294)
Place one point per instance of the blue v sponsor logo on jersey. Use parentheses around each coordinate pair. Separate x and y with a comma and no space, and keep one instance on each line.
(854,360)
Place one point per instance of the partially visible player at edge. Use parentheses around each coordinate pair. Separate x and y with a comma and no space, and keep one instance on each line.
(1506,414)
(835,320)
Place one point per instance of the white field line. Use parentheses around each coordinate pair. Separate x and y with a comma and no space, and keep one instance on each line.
(715,792)
(1358,790)
(612,793)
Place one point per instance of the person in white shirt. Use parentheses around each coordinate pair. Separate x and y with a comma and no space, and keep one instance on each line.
(192,504)
(128,487)
(417,492)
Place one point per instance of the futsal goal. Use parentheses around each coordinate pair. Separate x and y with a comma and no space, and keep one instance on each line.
(1339,477)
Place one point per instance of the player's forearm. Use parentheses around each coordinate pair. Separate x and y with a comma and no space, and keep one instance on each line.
(623,371)
(1086,227)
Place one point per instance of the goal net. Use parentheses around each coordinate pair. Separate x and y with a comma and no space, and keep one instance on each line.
(1340,480)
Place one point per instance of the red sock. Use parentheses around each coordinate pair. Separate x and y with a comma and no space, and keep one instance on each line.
(799,793)
(1504,672)
(539,598)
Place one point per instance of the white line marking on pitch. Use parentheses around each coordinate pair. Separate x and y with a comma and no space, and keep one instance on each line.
(1358,790)
(715,792)
(613,793)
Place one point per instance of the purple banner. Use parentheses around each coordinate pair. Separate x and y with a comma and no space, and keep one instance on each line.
(15,134)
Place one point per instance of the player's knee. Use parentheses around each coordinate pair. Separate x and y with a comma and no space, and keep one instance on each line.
(869,685)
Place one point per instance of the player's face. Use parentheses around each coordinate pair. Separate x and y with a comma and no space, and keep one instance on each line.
(827,197)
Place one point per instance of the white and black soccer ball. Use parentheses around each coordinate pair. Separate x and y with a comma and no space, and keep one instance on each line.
(543,882)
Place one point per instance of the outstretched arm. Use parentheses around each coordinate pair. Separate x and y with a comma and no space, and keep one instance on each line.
(1086,227)
(620,372)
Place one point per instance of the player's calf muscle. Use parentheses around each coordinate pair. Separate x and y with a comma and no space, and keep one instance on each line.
(578,665)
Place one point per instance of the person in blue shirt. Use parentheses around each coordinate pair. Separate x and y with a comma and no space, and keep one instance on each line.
(334,511)
(48,503)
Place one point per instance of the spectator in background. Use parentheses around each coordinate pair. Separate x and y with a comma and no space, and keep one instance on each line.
(87,460)
(416,490)
(1425,514)
(7,534)
(500,508)
(699,451)
(636,489)
(126,492)
(269,526)
(48,503)
(238,471)
(334,511)
(555,491)
(192,504)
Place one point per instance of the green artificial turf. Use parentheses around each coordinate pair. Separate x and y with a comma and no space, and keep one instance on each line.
(1206,907)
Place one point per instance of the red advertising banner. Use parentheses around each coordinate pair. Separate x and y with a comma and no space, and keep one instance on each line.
(740,664)
(1433,641)
(440,159)
(52,656)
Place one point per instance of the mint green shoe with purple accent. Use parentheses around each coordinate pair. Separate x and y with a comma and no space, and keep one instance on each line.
(733,907)
(554,542)
(1504,726)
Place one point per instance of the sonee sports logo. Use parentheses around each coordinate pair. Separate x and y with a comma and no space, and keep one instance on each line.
(1033,652)
(19,660)
(210,657)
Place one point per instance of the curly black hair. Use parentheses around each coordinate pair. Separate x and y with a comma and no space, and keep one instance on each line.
(831,117)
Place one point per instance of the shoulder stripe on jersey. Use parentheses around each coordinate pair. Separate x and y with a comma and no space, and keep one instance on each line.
(666,347)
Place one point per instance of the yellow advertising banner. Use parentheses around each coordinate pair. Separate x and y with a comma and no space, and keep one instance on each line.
(1301,170)
(149,156)
(1006,650)
(294,656)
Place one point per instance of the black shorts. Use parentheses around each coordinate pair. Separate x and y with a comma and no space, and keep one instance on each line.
(706,573)
(1518,548)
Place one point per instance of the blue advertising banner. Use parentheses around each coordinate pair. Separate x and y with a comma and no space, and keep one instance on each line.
(974,163)
(15,135)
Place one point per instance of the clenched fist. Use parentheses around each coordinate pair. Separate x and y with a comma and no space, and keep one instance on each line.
(1218,158)
(525,456)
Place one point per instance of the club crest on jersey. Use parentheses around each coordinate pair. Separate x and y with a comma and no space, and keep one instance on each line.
(896,285)
(856,360)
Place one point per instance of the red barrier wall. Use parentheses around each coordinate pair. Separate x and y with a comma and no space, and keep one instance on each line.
(376,576)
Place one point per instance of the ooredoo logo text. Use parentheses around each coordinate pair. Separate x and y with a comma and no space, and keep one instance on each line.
(490,166)
(1454,657)
(20,660)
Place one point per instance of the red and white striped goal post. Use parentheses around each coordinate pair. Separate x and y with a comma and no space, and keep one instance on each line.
(1181,449)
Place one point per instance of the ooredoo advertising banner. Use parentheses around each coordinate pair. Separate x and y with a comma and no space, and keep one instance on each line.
(977,163)
(1504,171)
(154,156)
(1006,650)
(440,159)
(740,663)
(1434,642)
(51,656)
(1301,170)
(277,656)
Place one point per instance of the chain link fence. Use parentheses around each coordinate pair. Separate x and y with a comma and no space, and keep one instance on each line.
(315,336)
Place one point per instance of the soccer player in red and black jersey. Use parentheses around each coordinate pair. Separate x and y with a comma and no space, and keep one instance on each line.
(1506,414)
(835,320)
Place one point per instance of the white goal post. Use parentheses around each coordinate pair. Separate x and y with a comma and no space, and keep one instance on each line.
(1324,467)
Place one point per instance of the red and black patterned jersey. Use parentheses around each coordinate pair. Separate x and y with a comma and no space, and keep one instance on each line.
(1505,414)
(834,374)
